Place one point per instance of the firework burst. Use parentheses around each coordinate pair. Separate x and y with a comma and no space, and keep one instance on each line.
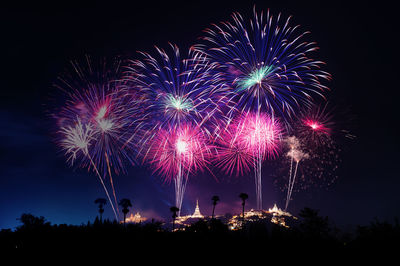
(184,98)
(232,156)
(249,140)
(75,141)
(312,150)
(96,103)
(295,154)
(179,90)
(177,152)
(266,63)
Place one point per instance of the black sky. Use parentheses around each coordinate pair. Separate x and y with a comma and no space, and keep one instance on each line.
(358,41)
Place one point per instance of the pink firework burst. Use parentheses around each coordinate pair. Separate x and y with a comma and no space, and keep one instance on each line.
(316,126)
(250,139)
(232,156)
(260,134)
(177,150)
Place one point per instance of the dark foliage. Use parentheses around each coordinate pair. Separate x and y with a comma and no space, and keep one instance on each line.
(311,232)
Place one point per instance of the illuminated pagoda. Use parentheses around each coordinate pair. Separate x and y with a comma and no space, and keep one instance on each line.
(185,220)
(278,216)
(197,213)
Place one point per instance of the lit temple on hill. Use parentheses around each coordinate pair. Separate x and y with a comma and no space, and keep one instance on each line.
(195,215)
(274,214)
(278,212)
(137,218)
(278,217)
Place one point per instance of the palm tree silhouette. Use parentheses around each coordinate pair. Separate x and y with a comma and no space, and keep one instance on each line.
(244,197)
(215,200)
(101,202)
(125,204)
(174,211)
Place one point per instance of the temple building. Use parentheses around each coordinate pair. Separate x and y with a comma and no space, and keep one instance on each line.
(137,218)
(278,212)
(197,213)
(275,215)
(184,220)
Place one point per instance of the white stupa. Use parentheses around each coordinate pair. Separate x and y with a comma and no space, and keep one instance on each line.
(278,212)
(197,213)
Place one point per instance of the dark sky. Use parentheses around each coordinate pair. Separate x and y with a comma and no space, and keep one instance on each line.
(356,40)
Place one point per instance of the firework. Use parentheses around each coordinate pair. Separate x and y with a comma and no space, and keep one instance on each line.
(312,150)
(75,141)
(295,154)
(179,90)
(232,155)
(266,63)
(238,88)
(315,125)
(184,97)
(96,100)
(268,68)
(260,134)
(318,130)
(177,152)
(113,116)
(250,139)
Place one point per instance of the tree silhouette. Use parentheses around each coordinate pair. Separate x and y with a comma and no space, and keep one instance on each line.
(31,222)
(125,204)
(215,200)
(313,225)
(244,197)
(101,202)
(174,211)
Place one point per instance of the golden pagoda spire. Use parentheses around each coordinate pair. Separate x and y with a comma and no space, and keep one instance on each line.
(197,213)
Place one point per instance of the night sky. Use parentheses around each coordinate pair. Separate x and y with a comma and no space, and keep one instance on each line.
(357,42)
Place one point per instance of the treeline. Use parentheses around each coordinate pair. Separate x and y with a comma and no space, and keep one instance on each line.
(310,232)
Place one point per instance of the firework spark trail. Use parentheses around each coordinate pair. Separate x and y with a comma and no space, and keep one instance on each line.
(258,165)
(77,139)
(96,96)
(290,181)
(257,137)
(264,136)
(112,183)
(180,186)
(290,189)
(294,144)
(104,187)
(176,153)
(295,154)
(320,128)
